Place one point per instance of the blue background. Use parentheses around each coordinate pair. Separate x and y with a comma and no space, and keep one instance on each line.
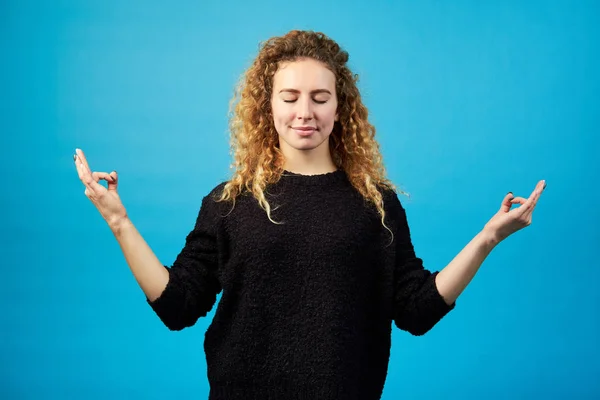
(471,100)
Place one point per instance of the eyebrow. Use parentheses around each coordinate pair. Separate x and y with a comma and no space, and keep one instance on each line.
(316,91)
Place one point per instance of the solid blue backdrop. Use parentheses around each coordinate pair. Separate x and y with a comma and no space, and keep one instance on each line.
(471,100)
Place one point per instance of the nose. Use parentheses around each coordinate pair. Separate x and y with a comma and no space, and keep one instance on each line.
(305,111)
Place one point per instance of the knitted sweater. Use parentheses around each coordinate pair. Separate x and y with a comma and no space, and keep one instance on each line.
(308,302)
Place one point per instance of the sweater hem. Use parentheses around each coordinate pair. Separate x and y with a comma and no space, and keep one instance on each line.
(277,390)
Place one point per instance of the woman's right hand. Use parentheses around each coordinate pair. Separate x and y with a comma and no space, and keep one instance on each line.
(107,201)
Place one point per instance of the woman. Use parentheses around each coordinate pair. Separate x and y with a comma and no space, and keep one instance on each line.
(308,240)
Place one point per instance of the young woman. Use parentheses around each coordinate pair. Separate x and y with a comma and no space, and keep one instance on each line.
(308,240)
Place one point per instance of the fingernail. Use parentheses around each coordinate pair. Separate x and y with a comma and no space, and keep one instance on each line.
(74,157)
(544,185)
(509,193)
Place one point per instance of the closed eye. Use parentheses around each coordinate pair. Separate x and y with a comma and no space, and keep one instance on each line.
(316,101)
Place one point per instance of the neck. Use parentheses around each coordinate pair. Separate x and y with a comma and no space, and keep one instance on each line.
(315,161)
(307,163)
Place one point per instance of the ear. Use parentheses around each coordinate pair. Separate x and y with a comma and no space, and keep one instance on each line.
(337,117)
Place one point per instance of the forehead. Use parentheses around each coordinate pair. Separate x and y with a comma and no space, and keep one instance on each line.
(306,74)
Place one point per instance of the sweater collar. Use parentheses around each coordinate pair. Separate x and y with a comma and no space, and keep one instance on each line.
(328,178)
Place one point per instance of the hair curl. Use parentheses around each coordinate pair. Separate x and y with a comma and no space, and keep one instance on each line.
(257,158)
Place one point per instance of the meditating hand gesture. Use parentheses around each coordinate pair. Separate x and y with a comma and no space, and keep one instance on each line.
(106,200)
(506,221)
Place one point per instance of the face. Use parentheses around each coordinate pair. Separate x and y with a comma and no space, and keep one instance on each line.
(304,105)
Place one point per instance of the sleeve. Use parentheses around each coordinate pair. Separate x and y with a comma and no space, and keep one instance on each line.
(193,283)
(418,305)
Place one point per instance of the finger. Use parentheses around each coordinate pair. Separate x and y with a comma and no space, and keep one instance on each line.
(115,181)
(537,192)
(533,198)
(518,200)
(112,182)
(506,202)
(519,211)
(77,167)
(81,169)
(86,176)
(91,181)
(82,158)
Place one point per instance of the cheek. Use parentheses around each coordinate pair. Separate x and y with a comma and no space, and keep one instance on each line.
(329,115)
(282,115)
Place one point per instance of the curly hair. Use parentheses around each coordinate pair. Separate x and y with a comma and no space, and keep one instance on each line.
(257,158)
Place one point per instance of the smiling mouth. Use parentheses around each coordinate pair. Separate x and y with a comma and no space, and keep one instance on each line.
(304,132)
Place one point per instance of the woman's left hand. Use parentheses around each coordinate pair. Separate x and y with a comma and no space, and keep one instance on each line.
(507,221)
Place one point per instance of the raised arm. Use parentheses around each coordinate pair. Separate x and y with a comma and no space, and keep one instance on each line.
(180,294)
(145,266)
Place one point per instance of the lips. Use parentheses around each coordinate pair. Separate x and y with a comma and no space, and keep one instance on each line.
(304,131)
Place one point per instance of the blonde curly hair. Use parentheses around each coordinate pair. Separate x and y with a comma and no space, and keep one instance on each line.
(257,158)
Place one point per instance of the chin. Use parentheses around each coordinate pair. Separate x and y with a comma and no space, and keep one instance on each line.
(310,144)
(305,148)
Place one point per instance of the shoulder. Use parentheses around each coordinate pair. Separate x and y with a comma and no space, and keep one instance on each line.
(395,212)
(390,197)
(210,201)
(216,192)
(211,210)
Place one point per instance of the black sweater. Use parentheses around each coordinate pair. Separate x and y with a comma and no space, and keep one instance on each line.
(307,304)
